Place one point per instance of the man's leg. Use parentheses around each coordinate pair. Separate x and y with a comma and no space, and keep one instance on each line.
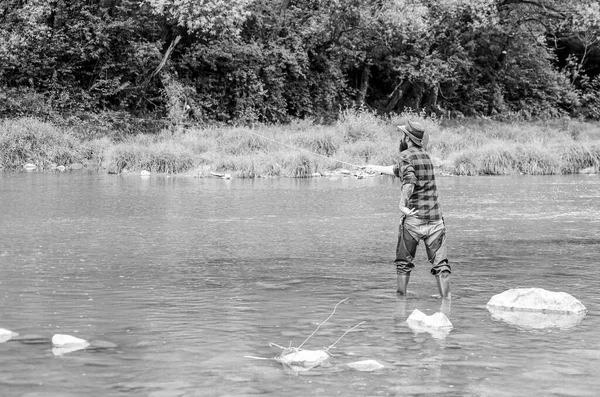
(405,253)
(435,243)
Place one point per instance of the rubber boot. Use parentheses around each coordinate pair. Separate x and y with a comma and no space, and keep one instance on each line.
(403,283)
(443,283)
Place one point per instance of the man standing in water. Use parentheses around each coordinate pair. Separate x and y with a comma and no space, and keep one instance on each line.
(421,212)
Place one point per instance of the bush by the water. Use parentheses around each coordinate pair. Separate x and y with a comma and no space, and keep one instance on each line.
(300,149)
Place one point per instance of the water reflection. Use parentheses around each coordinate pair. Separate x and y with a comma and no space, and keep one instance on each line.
(535,320)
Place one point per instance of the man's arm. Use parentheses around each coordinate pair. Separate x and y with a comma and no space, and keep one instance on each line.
(383,169)
(405,193)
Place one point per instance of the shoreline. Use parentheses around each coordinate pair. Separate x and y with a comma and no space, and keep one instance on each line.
(303,149)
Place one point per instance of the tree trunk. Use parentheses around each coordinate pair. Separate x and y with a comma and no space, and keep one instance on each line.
(164,60)
(431,103)
(284,6)
(364,85)
(397,95)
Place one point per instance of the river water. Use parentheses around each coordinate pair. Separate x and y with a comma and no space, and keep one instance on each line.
(176,280)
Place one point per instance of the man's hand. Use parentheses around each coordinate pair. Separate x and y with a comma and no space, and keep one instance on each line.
(406,211)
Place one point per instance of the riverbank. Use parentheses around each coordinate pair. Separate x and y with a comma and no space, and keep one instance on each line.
(303,149)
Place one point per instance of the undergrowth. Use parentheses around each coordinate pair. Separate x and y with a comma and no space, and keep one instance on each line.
(301,148)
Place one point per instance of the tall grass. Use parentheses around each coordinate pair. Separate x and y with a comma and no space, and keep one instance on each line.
(28,140)
(301,148)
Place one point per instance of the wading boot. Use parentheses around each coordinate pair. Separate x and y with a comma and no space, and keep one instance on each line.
(443,283)
(403,283)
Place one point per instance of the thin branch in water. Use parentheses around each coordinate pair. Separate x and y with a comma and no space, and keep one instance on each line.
(319,326)
(340,338)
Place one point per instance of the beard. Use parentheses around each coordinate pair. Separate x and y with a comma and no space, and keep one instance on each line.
(403,146)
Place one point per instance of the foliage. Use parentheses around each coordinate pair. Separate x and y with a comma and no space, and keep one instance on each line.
(243,62)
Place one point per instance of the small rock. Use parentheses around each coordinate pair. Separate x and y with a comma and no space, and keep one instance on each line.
(63,344)
(145,173)
(316,174)
(227,176)
(30,166)
(63,340)
(61,168)
(344,171)
(437,325)
(436,320)
(304,359)
(6,335)
(366,365)
(588,170)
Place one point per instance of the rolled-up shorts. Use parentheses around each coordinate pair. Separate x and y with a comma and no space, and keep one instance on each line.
(433,233)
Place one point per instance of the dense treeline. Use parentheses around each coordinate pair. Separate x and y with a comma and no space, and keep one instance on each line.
(247,61)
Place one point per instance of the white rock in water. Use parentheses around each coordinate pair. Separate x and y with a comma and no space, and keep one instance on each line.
(438,325)
(227,176)
(66,340)
(6,335)
(536,300)
(436,320)
(145,173)
(30,166)
(304,359)
(366,365)
(63,344)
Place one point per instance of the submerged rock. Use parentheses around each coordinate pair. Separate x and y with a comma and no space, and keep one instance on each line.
(6,335)
(536,320)
(62,340)
(366,365)
(304,360)
(536,300)
(438,325)
(63,344)
(536,308)
(436,320)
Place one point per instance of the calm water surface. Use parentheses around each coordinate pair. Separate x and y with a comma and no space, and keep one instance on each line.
(176,280)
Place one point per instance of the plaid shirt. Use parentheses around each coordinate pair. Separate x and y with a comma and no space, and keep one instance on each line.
(415,168)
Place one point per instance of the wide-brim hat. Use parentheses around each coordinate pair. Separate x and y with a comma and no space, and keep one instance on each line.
(416,132)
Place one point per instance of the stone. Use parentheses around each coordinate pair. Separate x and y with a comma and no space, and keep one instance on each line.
(63,340)
(436,320)
(6,335)
(30,166)
(145,173)
(536,300)
(63,344)
(437,325)
(304,359)
(588,170)
(366,365)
